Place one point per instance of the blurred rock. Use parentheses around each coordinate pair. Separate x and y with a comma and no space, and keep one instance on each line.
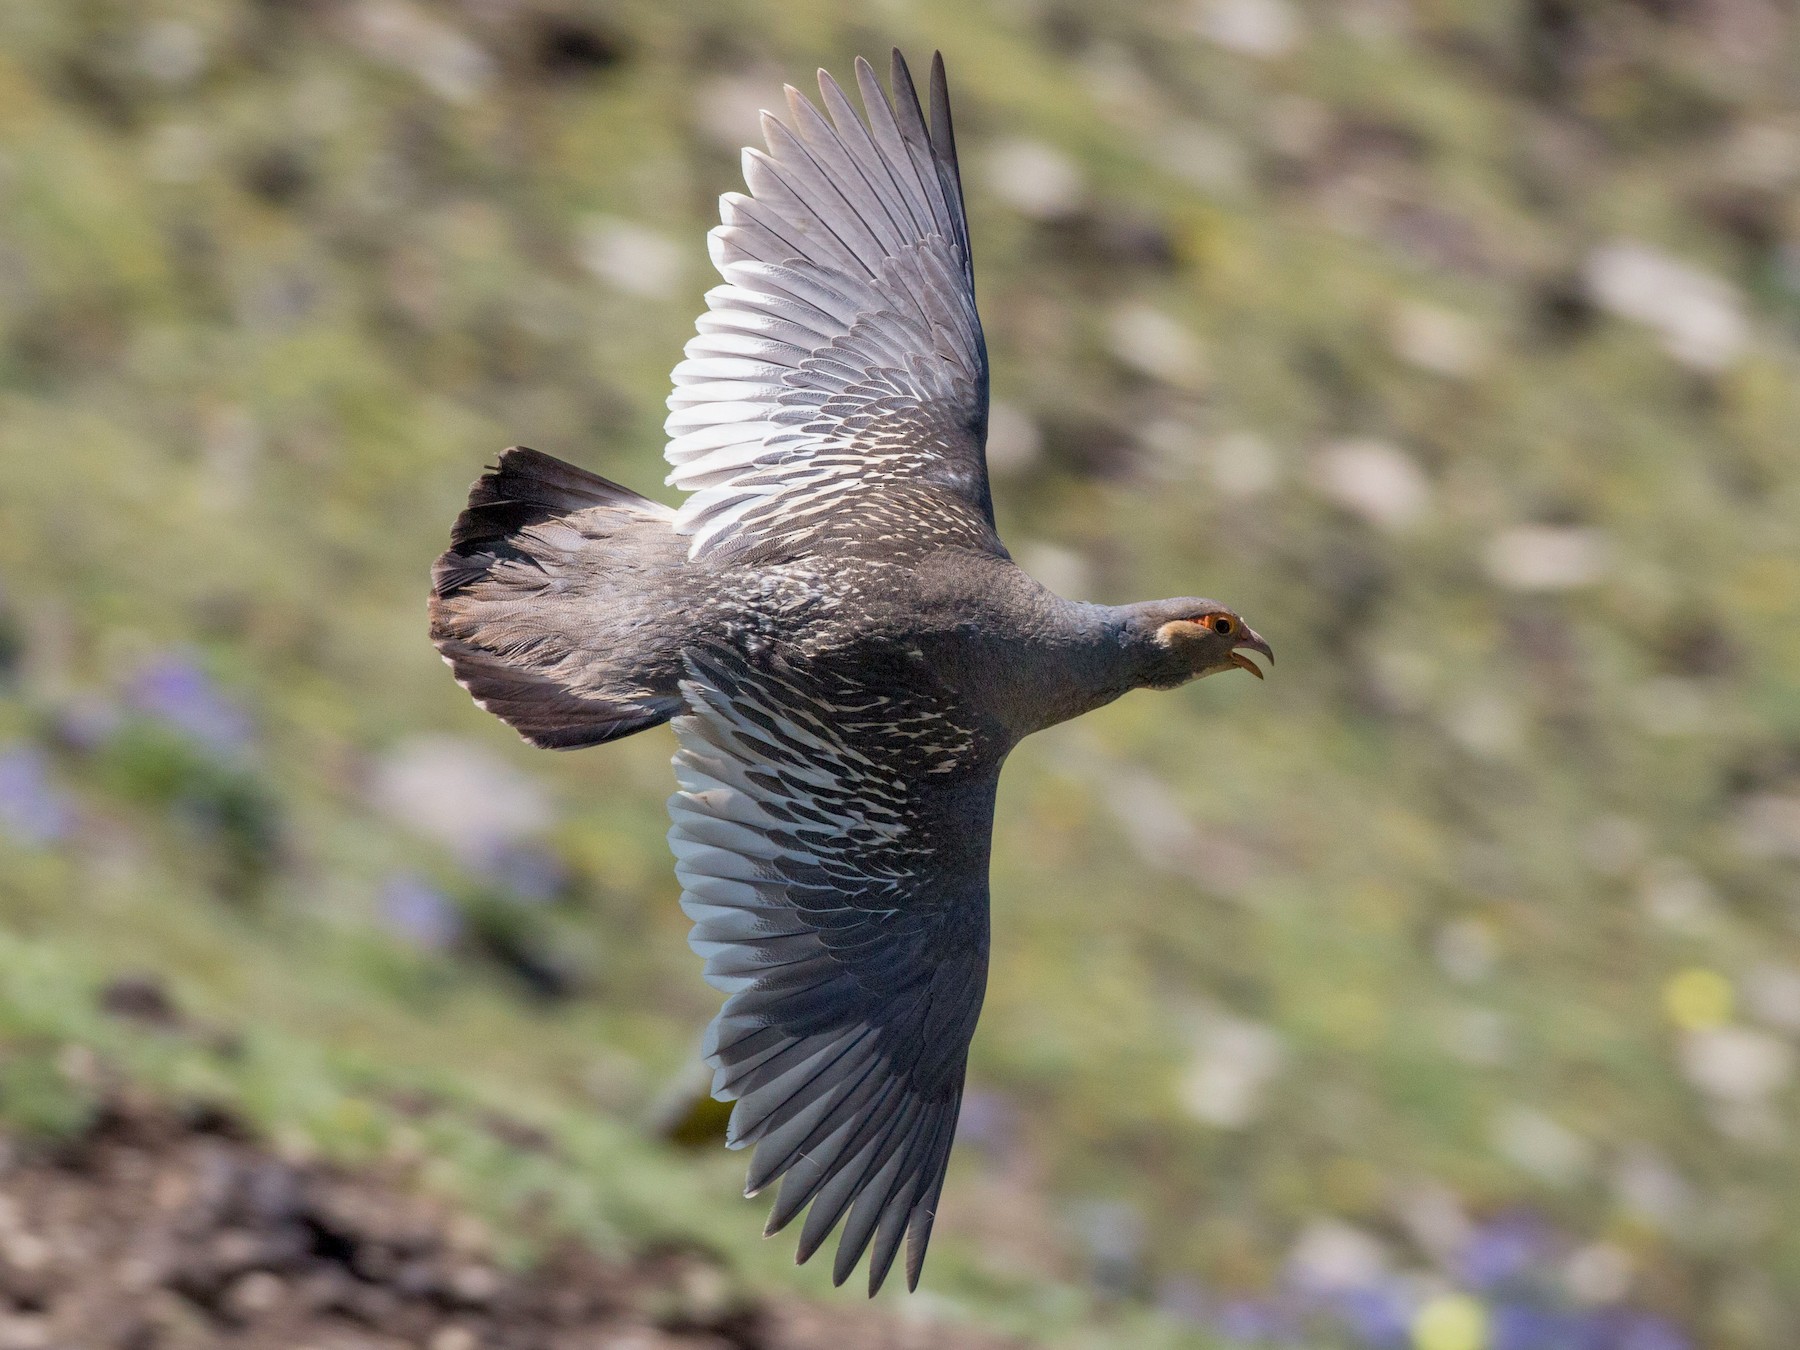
(1539,558)
(1151,343)
(1434,1218)
(1438,340)
(1677,897)
(1112,1233)
(1260,28)
(1762,155)
(1478,1036)
(1034,178)
(1736,1064)
(1203,156)
(231,444)
(1598,1273)
(1465,950)
(406,36)
(171,52)
(1672,706)
(1401,680)
(1373,479)
(1234,1063)
(1767,825)
(729,108)
(458,794)
(140,998)
(1063,570)
(1486,723)
(1243,465)
(1614,845)
(1297,126)
(631,258)
(1648,1188)
(1014,441)
(1772,995)
(1331,1255)
(1699,316)
(1537,1144)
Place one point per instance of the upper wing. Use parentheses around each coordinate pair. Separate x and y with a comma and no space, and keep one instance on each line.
(832,845)
(839,380)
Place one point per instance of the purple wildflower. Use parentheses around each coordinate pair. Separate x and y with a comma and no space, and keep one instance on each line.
(1640,1331)
(528,871)
(1184,1300)
(1524,1326)
(988,1122)
(1258,1321)
(178,693)
(1504,1250)
(1378,1315)
(419,914)
(33,810)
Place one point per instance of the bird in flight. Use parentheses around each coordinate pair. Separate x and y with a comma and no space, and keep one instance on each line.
(843,645)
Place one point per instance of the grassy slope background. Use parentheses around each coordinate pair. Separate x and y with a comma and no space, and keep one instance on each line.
(1475,924)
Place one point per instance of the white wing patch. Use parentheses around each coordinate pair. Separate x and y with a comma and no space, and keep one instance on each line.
(843,356)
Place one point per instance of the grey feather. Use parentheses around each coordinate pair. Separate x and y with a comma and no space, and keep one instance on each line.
(546,604)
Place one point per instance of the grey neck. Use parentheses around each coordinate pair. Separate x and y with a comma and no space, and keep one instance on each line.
(1101,652)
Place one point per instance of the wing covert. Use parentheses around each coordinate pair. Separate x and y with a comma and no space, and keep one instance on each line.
(839,379)
(832,844)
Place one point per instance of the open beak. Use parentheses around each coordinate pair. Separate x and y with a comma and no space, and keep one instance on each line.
(1252,640)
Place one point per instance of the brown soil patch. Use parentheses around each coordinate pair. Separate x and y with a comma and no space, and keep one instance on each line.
(155,1230)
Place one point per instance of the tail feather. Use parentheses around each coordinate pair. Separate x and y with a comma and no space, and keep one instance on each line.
(552,604)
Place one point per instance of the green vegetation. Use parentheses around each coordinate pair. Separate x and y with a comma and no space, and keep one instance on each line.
(1447,981)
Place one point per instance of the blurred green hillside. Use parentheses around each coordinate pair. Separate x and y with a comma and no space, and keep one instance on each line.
(1442,991)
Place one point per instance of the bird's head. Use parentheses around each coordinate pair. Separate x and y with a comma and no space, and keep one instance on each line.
(1187,639)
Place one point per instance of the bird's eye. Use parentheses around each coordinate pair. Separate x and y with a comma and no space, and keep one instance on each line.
(1223,624)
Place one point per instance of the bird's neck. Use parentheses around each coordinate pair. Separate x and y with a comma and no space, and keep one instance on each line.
(1102,654)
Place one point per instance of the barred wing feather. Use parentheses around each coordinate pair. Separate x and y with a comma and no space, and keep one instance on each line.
(838,382)
(832,842)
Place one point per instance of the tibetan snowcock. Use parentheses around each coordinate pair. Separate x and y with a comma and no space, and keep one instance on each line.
(843,644)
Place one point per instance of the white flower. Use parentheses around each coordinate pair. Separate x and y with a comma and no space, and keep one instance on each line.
(404,35)
(1700,316)
(1152,343)
(1547,557)
(1768,826)
(1331,1255)
(1375,480)
(458,794)
(1033,178)
(1736,1064)
(1233,1064)
(631,258)
(1438,340)
(1264,28)
(1772,993)
(1535,1143)
(1244,465)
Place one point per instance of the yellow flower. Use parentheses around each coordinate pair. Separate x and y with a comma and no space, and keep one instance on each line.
(1451,1322)
(1698,999)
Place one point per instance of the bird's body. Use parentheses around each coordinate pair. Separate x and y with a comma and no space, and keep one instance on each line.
(844,646)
